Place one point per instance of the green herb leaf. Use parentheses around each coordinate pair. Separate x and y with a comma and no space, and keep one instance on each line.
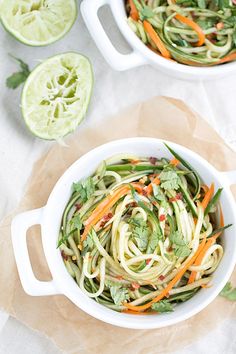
(119,294)
(146,13)
(157,192)
(154,238)
(76,221)
(201,4)
(87,244)
(85,188)
(181,249)
(229,292)
(162,306)
(17,78)
(140,232)
(169,180)
(177,238)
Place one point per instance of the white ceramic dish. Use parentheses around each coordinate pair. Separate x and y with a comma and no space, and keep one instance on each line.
(49,217)
(140,54)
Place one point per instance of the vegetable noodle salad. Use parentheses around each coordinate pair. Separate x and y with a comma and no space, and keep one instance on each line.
(141,234)
(191,32)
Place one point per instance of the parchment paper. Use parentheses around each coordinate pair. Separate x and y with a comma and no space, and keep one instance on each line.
(71,329)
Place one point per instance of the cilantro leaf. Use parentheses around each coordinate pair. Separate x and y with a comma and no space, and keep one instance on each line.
(85,188)
(177,238)
(181,249)
(155,237)
(169,180)
(76,221)
(229,292)
(17,78)
(157,192)
(162,306)
(119,294)
(140,232)
(146,13)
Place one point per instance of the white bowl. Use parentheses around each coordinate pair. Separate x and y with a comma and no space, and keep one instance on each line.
(49,217)
(140,54)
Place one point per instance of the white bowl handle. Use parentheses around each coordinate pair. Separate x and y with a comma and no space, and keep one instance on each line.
(118,61)
(20,224)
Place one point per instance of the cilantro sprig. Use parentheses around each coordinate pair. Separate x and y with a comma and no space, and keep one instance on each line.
(19,77)
(162,306)
(181,249)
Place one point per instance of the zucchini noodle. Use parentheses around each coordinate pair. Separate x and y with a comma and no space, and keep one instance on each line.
(192,32)
(132,227)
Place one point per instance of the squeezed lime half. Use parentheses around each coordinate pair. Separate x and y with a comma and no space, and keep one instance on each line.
(56,95)
(38,22)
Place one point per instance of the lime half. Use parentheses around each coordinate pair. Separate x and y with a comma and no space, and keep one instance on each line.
(56,95)
(38,22)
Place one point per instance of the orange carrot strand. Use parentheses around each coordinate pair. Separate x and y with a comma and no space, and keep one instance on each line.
(194,26)
(156,39)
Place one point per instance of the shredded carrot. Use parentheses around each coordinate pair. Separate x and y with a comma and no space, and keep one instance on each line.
(171,283)
(194,26)
(133,11)
(105,206)
(208,196)
(150,188)
(156,39)
(228,58)
(174,162)
(209,243)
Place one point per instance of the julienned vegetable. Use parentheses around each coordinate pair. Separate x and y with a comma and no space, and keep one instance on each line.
(141,234)
(198,33)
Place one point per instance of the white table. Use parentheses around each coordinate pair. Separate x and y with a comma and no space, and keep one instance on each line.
(214,100)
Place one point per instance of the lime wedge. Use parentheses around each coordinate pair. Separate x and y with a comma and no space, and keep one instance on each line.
(38,22)
(56,95)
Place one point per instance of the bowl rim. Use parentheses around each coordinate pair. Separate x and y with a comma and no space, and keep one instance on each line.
(66,284)
(118,9)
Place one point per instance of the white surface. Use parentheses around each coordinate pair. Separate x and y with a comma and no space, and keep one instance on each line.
(113,91)
(49,217)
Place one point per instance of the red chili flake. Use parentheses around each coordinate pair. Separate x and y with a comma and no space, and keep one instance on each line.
(168,295)
(161,277)
(148,260)
(64,256)
(162,217)
(132,205)
(78,206)
(153,160)
(107,217)
(170,249)
(119,277)
(179,196)
(135,286)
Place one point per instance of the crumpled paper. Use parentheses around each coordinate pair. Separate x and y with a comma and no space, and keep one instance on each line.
(55,316)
